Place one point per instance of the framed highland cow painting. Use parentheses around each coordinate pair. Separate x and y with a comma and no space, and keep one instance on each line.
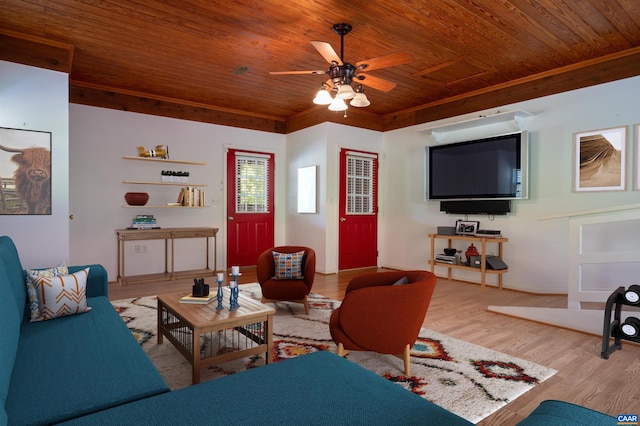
(25,172)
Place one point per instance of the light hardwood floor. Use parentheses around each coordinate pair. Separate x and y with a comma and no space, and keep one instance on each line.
(459,310)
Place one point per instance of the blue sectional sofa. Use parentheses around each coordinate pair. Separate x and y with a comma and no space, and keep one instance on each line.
(87,369)
(56,370)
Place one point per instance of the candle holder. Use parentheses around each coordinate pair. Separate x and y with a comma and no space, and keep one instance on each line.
(233,296)
(233,289)
(220,307)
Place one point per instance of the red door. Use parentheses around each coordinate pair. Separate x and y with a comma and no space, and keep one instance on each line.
(358,210)
(249,206)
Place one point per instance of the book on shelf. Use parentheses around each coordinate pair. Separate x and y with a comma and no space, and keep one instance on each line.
(191,196)
(197,300)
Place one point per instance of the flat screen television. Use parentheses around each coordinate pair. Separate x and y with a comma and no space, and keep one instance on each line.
(491,168)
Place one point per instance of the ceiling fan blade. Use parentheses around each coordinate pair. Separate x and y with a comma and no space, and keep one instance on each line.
(327,51)
(384,61)
(375,82)
(315,72)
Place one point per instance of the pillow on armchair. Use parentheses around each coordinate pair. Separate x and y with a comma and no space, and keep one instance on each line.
(288,265)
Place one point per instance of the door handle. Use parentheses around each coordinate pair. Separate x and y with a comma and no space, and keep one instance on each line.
(342,219)
(230,217)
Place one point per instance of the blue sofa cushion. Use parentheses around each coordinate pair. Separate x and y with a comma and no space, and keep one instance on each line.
(316,389)
(9,335)
(76,365)
(560,413)
(15,274)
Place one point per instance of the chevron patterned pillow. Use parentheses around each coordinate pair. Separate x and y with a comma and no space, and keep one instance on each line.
(61,295)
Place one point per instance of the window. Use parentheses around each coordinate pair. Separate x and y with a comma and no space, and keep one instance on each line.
(360,184)
(252,189)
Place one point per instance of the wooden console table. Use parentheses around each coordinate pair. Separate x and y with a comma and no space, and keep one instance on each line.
(168,235)
(483,256)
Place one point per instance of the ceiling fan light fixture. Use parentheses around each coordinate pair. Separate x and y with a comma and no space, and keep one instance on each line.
(338,105)
(345,91)
(322,97)
(360,100)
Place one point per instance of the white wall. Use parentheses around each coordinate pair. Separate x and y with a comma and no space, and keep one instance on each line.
(537,251)
(101,137)
(320,145)
(38,99)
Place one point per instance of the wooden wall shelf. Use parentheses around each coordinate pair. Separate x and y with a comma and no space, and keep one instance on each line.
(162,160)
(142,182)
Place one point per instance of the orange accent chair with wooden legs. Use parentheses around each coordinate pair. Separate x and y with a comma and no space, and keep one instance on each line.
(383,312)
(289,290)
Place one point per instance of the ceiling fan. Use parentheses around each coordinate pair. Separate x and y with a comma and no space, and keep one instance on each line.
(342,74)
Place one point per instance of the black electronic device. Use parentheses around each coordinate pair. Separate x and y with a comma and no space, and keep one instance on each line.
(481,169)
(491,207)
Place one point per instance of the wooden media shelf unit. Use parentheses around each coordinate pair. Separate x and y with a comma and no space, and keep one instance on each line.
(481,244)
(169,235)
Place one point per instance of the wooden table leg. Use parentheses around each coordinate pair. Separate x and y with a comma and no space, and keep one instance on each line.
(269,331)
(160,334)
(195,353)
(207,242)
(119,277)
(173,246)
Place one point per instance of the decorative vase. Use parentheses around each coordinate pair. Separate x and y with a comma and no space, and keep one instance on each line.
(471,251)
(136,198)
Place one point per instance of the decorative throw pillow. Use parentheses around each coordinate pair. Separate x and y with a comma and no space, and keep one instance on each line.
(288,265)
(32,293)
(62,295)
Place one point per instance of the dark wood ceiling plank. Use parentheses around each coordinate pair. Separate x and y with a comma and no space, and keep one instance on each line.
(184,53)
(95,96)
(35,51)
(610,68)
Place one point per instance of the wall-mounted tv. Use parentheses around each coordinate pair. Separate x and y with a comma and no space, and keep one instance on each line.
(490,168)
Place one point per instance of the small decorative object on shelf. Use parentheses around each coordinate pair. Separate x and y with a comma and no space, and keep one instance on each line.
(136,198)
(174,176)
(471,251)
(191,196)
(144,221)
(200,289)
(159,152)
(220,279)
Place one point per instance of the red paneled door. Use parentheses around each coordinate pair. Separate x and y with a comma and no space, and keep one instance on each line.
(358,210)
(250,223)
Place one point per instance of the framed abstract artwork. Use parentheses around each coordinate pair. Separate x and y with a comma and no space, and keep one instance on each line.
(600,158)
(25,172)
(307,181)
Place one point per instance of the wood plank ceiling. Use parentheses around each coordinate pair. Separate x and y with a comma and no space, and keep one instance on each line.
(181,58)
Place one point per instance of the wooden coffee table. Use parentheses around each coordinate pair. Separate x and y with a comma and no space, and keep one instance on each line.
(206,336)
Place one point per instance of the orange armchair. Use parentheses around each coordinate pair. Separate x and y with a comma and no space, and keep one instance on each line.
(378,316)
(290,290)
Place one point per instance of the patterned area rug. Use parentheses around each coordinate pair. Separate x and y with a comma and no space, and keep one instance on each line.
(467,379)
